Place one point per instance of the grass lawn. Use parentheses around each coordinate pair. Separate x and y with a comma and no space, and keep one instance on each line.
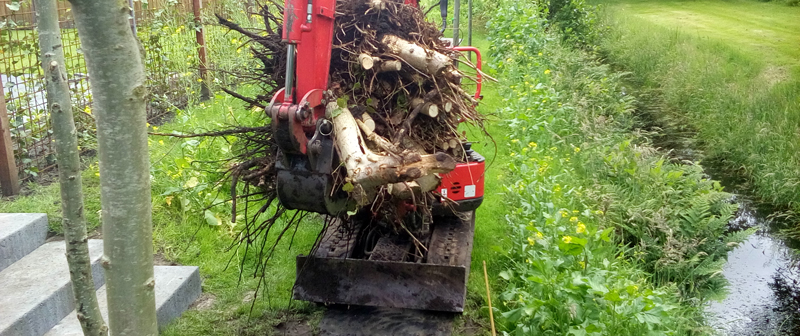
(725,72)
(766,31)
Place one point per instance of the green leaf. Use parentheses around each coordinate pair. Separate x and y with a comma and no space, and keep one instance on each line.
(612,296)
(592,328)
(211,219)
(606,235)
(13,6)
(342,102)
(570,248)
(348,187)
(513,315)
(505,275)
(598,287)
(648,318)
(577,331)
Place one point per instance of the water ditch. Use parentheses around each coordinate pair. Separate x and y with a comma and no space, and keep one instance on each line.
(763,294)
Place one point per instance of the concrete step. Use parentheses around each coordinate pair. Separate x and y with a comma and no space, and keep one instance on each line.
(20,234)
(176,288)
(36,291)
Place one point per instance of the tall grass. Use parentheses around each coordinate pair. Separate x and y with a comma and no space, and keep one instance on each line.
(742,102)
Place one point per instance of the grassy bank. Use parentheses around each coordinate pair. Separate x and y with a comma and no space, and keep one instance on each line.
(610,236)
(587,229)
(730,72)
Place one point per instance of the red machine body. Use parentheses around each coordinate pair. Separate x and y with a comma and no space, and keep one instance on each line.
(463,183)
(349,267)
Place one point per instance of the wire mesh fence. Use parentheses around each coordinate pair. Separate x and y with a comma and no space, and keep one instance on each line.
(169,32)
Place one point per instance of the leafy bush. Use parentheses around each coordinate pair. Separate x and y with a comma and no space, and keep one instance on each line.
(611,238)
(575,19)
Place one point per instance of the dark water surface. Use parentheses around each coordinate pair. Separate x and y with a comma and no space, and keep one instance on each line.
(764,291)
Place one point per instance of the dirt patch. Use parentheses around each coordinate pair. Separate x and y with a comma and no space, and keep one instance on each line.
(204,302)
(295,326)
(294,322)
(772,75)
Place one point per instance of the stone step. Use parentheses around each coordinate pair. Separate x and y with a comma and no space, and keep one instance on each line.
(20,234)
(36,291)
(176,288)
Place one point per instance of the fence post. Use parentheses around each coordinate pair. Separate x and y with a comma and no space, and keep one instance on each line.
(133,17)
(205,93)
(9,176)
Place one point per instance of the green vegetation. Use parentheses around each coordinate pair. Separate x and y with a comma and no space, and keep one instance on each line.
(729,72)
(586,227)
(610,237)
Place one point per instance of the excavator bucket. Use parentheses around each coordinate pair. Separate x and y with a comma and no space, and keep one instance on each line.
(438,283)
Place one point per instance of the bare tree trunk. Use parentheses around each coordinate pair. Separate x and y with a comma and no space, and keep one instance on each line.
(69,168)
(117,83)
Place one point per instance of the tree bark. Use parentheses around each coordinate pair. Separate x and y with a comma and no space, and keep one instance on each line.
(368,169)
(115,67)
(69,168)
(428,61)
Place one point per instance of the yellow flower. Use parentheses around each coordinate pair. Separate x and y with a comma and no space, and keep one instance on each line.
(573,219)
(233,41)
(540,54)
(564,213)
(577,149)
(566,239)
(532,144)
(598,212)
(514,140)
(531,241)
(557,188)
(547,72)
(539,235)
(512,154)
(582,263)
(525,150)
(155,128)
(160,142)
(581,228)
(575,211)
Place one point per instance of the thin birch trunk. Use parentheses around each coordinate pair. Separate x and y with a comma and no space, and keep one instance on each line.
(61,119)
(117,84)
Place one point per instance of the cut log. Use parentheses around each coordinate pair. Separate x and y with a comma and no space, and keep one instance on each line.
(428,109)
(403,190)
(390,65)
(368,122)
(453,143)
(381,142)
(448,106)
(367,61)
(368,169)
(377,5)
(428,61)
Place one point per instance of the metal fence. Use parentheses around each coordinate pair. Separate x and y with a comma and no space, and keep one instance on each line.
(171,36)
